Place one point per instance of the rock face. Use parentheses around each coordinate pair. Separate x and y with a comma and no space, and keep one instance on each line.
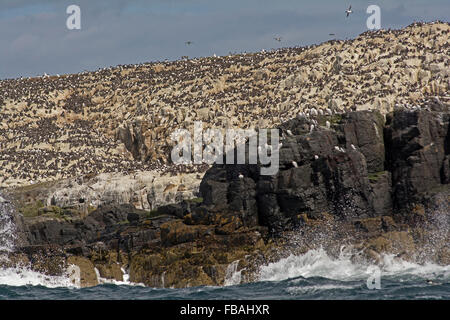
(325,171)
(419,159)
(360,168)
(382,184)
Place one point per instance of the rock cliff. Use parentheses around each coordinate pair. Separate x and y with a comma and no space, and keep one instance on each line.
(381,186)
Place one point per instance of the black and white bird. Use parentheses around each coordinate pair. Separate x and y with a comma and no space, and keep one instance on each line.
(277,39)
(348,11)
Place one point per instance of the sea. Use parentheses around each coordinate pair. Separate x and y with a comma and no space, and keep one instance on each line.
(313,275)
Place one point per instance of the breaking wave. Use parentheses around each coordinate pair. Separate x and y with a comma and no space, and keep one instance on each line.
(317,263)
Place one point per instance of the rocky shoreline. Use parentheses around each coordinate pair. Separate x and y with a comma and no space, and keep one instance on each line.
(377,183)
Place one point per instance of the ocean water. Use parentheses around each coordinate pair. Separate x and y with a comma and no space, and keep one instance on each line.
(313,275)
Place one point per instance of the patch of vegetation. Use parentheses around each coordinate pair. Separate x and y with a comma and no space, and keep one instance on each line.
(153,214)
(35,187)
(31,210)
(195,200)
(37,209)
(335,119)
(90,209)
(373,177)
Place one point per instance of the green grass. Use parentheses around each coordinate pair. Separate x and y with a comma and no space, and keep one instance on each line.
(32,210)
(335,119)
(195,200)
(153,214)
(373,177)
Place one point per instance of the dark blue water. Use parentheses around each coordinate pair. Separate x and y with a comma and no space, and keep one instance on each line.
(297,288)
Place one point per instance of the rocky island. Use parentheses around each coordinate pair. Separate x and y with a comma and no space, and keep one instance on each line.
(86,177)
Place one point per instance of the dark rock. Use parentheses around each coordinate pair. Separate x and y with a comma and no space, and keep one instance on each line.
(364,129)
(418,145)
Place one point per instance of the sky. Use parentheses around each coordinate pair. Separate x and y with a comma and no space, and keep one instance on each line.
(34,38)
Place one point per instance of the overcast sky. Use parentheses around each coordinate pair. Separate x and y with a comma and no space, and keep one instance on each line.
(35,40)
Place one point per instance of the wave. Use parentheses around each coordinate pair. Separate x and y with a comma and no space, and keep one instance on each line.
(23,276)
(317,263)
(125,282)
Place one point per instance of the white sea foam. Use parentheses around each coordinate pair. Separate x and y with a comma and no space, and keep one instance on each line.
(125,282)
(233,276)
(317,263)
(22,276)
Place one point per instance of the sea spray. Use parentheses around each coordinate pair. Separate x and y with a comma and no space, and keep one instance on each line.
(232,275)
(21,275)
(124,282)
(24,276)
(7,227)
(318,263)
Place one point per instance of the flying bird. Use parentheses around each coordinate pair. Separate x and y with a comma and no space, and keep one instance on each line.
(348,11)
(278,39)
(188,43)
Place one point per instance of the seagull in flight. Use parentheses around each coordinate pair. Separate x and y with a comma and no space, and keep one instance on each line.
(348,11)
(188,43)
(278,39)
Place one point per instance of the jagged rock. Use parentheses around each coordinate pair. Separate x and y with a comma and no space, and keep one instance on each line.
(337,181)
(419,146)
(365,131)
